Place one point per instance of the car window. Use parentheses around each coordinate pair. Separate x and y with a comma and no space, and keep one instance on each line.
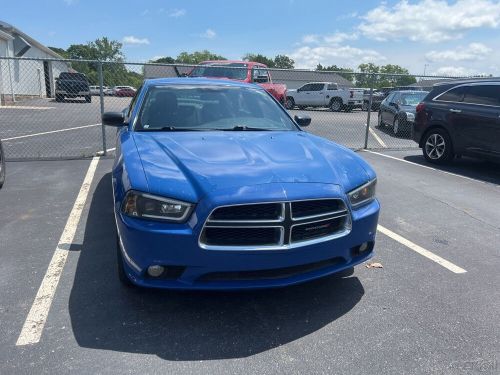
(483,94)
(390,97)
(133,101)
(307,87)
(177,107)
(412,99)
(453,95)
(317,86)
(236,71)
(332,86)
(260,72)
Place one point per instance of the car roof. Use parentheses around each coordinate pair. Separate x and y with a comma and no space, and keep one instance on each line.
(195,81)
(410,91)
(456,82)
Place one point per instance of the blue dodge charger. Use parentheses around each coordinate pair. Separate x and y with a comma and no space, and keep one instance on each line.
(217,187)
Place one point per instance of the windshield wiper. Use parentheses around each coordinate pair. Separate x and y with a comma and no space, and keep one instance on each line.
(178,129)
(246,128)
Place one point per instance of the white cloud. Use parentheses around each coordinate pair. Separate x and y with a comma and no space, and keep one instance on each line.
(457,71)
(176,13)
(429,20)
(472,52)
(335,38)
(133,40)
(208,34)
(145,12)
(347,16)
(309,56)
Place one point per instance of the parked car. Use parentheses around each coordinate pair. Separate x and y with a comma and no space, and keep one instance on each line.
(96,90)
(460,118)
(324,94)
(124,91)
(2,165)
(398,111)
(244,71)
(377,97)
(217,187)
(72,85)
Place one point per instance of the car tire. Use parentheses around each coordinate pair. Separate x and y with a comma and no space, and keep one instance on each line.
(396,126)
(88,99)
(122,274)
(336,105)
(437,146)
(380,123)
(2,166)
(59,98)
(290,103)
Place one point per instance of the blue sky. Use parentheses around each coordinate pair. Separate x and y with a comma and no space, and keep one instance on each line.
(444,36)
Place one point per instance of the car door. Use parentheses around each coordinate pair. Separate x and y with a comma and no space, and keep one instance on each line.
(386,108)
(317,94)
(302,95)
(477,121)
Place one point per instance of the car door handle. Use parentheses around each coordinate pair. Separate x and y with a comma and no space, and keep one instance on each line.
(456,110)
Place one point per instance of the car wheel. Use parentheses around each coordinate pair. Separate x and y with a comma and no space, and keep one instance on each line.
(437,146)
(380,123)
(2,166)
(122,274)
(88,99)
(396,126)
(336,105)
(290,103)
(59,98)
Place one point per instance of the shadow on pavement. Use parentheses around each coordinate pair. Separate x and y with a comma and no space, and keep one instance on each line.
(189,325)
(468,167)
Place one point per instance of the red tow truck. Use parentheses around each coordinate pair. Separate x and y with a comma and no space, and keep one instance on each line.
(244,71)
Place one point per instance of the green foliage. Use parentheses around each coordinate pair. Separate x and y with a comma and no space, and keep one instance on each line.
(107,51)
(346,73)
(197,57)
(259,58)
(401,76)
(283,62)
(163,60)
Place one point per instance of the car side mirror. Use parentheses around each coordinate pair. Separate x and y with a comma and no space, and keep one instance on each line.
(116,119)
(302,120)
(261,79)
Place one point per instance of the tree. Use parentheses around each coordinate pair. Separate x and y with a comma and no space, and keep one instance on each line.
(163,60)
(260,58)
(59,51)
(197,57)
(283,62)
(383,76)
(346,73)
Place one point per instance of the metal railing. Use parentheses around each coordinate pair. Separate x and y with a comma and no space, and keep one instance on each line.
(44,117)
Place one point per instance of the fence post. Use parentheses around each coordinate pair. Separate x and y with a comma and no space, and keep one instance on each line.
(368,116)
(101,100)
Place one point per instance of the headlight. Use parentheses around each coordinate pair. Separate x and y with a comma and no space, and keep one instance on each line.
(410,116)
(363,194)
(147,206)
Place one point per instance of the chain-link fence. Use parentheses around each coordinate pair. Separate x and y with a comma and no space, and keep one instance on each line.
(52,108)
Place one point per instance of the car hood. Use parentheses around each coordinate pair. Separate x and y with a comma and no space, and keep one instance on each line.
(188,165)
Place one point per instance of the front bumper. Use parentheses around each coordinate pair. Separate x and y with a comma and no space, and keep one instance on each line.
(145,243)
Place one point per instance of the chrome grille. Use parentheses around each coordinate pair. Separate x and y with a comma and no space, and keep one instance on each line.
(275,225)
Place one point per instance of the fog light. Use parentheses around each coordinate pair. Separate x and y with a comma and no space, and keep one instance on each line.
(363,247)
(155,271)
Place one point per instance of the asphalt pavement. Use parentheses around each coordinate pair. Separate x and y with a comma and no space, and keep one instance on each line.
(412,316)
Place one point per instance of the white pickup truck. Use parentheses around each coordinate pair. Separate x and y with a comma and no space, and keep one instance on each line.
(324,94)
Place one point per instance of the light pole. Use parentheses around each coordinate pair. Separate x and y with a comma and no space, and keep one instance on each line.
(425,68)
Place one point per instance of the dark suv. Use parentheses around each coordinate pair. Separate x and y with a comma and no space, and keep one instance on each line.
(72,85)
(459,118)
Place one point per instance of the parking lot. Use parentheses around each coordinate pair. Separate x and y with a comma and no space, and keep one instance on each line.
(44,128)
(433,307)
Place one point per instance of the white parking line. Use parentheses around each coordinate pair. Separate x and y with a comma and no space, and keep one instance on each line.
(420,250)
(377,138)
(37,316)
(49,132)
(427,167)
(23,107)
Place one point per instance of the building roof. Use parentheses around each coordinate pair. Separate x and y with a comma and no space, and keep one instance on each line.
(12,31)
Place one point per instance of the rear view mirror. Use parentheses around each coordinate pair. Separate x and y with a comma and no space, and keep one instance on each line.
(302,120)
(116,119)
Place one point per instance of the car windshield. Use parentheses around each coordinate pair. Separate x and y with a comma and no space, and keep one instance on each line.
(237,71)
(72,76)
(412,98)
(210,108)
